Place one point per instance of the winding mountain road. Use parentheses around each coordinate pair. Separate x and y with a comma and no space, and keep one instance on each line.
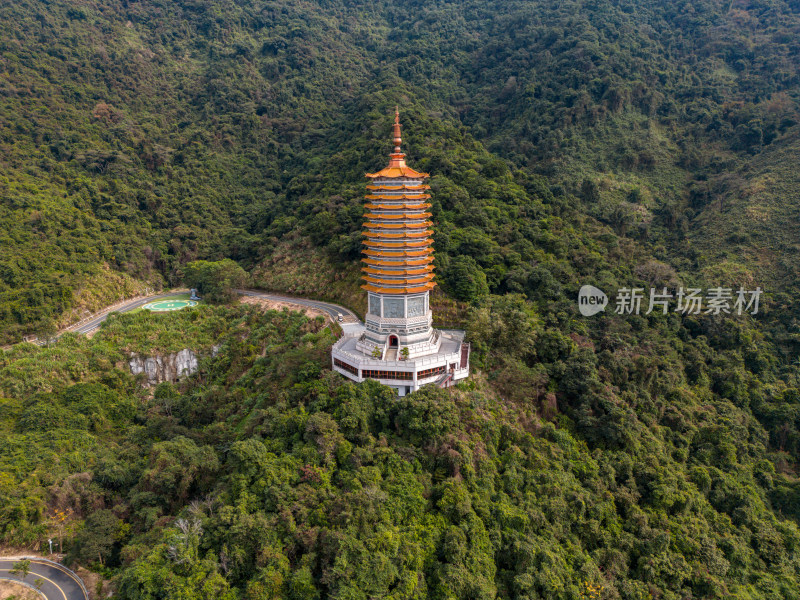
(351,319)
(58,582)
(94,322)
(334,310)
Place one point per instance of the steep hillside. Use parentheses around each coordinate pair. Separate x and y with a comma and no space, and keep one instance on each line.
(620,144)
(750,215)
(145,135)
(268,476)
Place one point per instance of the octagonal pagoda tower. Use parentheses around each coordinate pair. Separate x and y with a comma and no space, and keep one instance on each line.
(397,344)
(398,269)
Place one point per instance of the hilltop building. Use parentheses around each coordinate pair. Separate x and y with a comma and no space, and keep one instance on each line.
(398,345)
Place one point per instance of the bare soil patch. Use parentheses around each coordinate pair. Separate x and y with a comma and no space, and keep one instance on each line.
(11,589)
(266,304)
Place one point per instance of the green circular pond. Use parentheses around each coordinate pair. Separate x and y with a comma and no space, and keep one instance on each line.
(168,305)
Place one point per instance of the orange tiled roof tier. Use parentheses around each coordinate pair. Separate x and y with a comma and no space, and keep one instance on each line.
(405,234)
(396,245)
(398,225)
(378,239)
(423,206)
(407,290)
(398,263)
(397,168)
(419,271)
(414,226)
(423,252)
(407,216)
(397,196)
(404,281)
(373,186)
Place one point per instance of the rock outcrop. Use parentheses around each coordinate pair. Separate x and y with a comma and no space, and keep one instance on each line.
(170,367)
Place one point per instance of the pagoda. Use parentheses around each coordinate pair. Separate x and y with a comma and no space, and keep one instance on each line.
(398,345)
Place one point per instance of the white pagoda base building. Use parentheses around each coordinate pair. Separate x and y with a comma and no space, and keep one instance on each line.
(398,346)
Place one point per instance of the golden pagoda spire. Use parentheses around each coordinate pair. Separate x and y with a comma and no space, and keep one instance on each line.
(397,163)
(397,139)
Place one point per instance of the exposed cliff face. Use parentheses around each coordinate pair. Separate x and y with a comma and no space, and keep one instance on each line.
(170,367)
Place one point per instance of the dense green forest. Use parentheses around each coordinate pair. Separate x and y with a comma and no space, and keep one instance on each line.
(143,135)
(606,142)
(266,475)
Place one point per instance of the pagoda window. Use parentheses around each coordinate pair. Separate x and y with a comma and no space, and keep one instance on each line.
(375,374)
(431,372)
(345,366)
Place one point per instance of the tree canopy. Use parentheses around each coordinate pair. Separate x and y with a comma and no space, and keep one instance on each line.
(217,281)
(618,144)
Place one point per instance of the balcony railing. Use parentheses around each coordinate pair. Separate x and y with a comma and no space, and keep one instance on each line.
(365,362)
(418,320)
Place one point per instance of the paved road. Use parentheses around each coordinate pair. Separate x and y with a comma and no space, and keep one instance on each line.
(94,323)
(58,582)
(334,310)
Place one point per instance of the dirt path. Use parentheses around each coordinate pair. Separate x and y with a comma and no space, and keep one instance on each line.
(269,304)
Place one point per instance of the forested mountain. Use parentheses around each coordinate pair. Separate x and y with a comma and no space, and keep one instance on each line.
(124,122)
(613,143)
